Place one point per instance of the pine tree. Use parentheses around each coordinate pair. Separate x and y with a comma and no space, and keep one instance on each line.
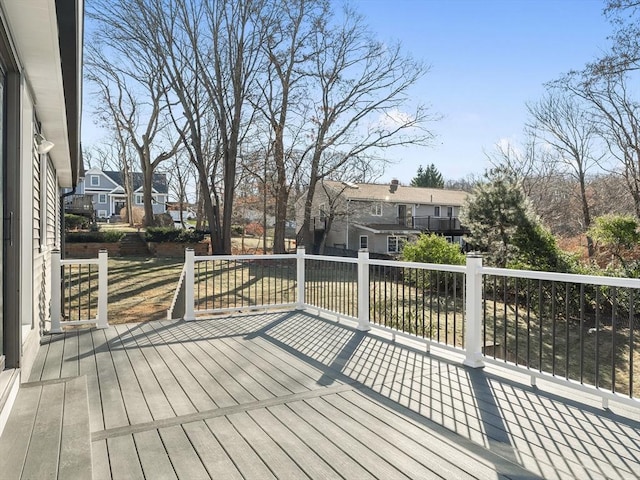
(503,226)
(429,178)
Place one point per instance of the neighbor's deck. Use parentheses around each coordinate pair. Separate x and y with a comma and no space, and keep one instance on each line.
(289,395)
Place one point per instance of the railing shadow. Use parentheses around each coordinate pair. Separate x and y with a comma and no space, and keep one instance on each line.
(484,414)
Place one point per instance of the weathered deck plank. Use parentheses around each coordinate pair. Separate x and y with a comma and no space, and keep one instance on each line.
(75,451)
(278,460)
(123,459)
(183,456)
(153,456)
(158,404)
(242,454)
(14,443)
(112,405)
(44,448)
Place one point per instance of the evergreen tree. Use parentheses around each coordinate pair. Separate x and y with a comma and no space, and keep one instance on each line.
(504,228)
(429,178)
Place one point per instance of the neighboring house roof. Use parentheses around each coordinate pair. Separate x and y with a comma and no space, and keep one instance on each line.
(159,180)
(399,194)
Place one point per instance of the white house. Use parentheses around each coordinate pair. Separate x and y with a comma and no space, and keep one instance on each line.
(40,88)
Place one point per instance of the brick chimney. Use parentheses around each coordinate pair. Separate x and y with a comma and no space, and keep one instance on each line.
(394,185)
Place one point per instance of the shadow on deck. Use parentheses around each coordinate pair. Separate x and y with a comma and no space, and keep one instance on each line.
(290,395)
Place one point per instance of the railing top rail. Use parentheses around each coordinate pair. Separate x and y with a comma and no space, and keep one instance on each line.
(563,277)
(277,256)
(422,266)
(80,261)
(331,258)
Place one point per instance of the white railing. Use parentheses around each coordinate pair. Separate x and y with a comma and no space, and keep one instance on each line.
(78,291)
(559,327)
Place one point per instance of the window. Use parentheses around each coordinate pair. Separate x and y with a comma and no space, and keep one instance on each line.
(376,209)
(449,212)
(138,199)
(364,241)
(102,198)
(95,180)
(395,244)
(102,214)
(436,211)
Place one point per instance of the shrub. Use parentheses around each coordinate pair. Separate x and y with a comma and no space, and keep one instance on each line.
(431,248)
(110,236)
(74,222)
(169,234)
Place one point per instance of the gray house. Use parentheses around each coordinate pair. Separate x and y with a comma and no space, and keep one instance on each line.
(381,218)
(106,190)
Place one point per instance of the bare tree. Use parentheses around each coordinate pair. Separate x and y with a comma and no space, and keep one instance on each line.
(180,178)
(131,86)
(287,47)
(361,90)
(235,34)
(617,117)
(568,128)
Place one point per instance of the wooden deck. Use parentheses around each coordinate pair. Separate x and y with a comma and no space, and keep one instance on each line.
(289,395)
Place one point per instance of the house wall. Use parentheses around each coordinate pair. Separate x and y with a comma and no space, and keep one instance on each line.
(105,186)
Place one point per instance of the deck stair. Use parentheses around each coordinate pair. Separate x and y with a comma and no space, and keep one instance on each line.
(132,245)
(48,433)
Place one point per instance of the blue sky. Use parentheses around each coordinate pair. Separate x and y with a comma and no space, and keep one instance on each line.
(488,58)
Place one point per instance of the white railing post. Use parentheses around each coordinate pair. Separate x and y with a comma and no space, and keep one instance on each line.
(56,293)
(189,279)
(300,252)
(473,312)
(102,321)
(363,290)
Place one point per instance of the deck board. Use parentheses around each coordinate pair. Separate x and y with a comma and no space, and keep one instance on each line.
(123,458)
(44,449)
(75,451)
(111,401)
(290,395)
(242,454)
(278,460)
(153,456)
(14,443)
(213,456)
(158,404)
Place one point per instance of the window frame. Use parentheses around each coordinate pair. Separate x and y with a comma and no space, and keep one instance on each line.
(376,209)
(366,238)
(102,196)
(91,180)
(436,210)
(138,199)
(400,241)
